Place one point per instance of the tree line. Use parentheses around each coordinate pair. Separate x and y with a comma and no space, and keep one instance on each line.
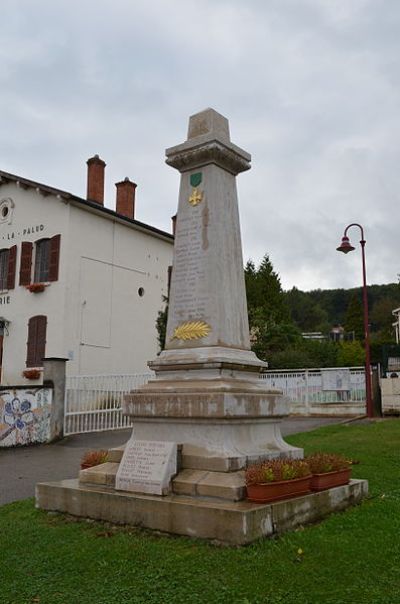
(278,318)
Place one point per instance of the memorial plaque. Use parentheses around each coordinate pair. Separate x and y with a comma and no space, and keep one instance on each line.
(147,466)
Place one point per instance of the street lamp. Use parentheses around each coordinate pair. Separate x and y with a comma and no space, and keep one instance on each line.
(346,247)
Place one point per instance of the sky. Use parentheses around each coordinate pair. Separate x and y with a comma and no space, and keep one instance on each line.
(311,89)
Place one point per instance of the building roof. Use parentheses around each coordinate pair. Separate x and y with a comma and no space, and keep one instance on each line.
(45,190)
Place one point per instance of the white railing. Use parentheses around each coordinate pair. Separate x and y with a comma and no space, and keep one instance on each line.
(94,402)
(330,385)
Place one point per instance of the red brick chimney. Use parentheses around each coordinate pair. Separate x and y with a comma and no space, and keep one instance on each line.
(95,179)
(126,198)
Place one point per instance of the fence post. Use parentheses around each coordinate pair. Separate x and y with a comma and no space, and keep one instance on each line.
(307,400)
(376,391)
(54,377)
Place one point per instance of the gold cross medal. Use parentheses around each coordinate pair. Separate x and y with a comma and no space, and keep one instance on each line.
(196,195)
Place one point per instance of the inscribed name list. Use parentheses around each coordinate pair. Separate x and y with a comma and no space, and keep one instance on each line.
(189,270)
(147,466)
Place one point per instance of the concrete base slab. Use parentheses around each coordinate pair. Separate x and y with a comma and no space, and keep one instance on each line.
(233,523)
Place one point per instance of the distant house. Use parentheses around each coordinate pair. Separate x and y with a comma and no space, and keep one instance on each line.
(337,333)
(396,324)
(77,280)
(313,335)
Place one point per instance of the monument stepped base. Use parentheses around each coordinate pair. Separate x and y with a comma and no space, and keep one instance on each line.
(232,523)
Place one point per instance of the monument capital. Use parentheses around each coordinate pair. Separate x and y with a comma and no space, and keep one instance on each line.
(208,142)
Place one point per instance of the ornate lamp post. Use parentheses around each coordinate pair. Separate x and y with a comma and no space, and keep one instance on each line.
(346,247)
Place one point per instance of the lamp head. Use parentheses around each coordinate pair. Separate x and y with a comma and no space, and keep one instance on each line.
(345,246)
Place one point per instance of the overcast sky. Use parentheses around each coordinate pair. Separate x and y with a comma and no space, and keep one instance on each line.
(310,88)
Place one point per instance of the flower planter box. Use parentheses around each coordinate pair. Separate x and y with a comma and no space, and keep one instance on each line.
(36,288)
(31,374)
(320,482)
(274,491)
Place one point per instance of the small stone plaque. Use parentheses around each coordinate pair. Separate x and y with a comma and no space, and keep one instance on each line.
(147,466)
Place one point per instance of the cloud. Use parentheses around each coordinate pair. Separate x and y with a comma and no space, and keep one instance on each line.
(311,89)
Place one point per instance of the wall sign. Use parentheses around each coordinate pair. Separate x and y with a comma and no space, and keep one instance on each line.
(29,230)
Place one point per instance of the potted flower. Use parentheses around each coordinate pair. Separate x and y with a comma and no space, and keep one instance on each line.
(328,470)
(276,479)
(36,288)
(31,374)
(93,458)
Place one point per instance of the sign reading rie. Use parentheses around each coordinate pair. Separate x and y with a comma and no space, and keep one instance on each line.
(147,466)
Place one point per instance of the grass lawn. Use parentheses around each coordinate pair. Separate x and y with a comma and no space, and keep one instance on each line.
(352,557)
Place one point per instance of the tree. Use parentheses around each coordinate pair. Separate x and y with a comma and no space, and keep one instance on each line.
(350,354)
(382,319)
(161,324)
(271,327)
(265,297)
(354,320)
(306,312)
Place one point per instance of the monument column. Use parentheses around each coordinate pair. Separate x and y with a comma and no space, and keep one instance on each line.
(207,319)
(207,395)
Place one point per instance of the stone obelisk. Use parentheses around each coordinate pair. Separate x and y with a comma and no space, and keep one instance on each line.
(207,395)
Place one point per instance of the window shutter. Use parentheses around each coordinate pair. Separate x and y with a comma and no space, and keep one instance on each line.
(36,345)
(31,344)
(54,257)
(26,263)
(12,265)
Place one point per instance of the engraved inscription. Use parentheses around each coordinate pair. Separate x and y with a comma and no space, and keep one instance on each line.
(189,271)
(147,466)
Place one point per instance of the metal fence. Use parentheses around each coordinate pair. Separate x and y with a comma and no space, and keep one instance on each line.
(94,402)
(330,385)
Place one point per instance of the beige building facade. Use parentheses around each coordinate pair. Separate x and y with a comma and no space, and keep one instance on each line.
(77,280)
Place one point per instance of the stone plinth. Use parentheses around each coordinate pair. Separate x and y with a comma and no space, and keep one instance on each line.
(233,523)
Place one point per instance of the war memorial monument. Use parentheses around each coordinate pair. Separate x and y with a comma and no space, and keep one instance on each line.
(206,414)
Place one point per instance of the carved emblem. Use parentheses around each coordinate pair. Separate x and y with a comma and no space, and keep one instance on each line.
(195,197)
(195,179)
(191,330)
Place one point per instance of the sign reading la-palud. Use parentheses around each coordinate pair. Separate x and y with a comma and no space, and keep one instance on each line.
(147,466)
(25,231)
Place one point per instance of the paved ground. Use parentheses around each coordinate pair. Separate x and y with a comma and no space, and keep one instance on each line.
(22,467)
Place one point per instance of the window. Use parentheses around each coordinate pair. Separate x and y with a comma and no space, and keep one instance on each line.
(46,260)
(8,259)
(36,344)
(3,269)
(42,261)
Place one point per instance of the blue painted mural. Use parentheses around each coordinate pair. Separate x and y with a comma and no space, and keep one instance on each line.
(24,416)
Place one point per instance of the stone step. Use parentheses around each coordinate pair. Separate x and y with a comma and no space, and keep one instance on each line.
(223,485)
(115,454)
(103,474)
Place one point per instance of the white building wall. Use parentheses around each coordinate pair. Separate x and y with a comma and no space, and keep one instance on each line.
(95,316)
(109,327)
(34,217)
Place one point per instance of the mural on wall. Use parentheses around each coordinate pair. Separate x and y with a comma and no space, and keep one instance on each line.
(24,416)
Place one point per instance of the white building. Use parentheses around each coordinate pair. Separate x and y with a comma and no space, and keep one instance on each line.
(396,324)
(77,280)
